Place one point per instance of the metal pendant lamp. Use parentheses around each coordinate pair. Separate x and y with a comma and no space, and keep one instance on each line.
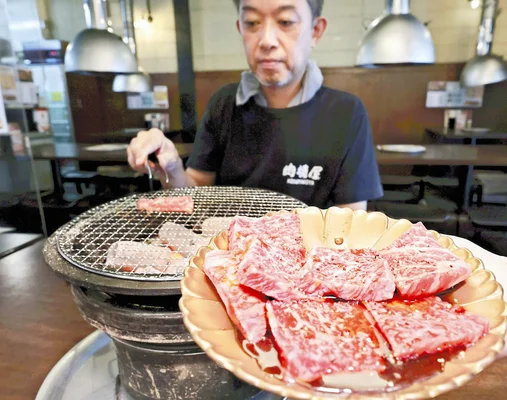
(396,37)
(96,49)
(485,68)
(133,83)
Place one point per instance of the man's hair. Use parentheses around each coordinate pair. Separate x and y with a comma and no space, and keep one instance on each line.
(315,6)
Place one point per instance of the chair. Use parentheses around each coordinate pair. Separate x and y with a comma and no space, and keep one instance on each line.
(441,220)
(495,241)
(487,216)
(79,178)
(401,189)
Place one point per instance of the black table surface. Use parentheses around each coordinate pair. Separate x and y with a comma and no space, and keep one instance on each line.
(85,152)
(492,155)
(471,133)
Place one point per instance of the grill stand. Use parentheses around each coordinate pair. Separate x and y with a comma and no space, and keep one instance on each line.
(157,358)
(90,371)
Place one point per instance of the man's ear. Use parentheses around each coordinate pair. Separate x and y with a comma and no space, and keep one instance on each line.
(238,26)
(319,27)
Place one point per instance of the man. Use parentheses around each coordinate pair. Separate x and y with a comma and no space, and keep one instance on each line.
(279,129)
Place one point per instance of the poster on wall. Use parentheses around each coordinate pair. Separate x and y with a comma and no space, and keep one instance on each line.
(450,94)
(156,100)
(4,127)
(8,83)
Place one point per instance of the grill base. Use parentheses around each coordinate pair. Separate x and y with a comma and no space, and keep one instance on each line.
(157,358)
(153,319)
(90,371)
(171,372)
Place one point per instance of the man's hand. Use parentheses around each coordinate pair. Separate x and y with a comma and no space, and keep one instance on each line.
(154,141)
(169,161)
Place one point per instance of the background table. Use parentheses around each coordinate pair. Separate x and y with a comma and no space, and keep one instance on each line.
(493,155)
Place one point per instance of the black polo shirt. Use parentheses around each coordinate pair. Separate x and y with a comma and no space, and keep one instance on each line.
(320,152)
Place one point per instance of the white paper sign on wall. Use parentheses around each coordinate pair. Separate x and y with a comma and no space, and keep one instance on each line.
(450,94)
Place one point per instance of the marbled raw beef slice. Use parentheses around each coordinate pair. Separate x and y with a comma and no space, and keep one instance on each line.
(351,274)
(424,271)
(282,231)
(317,338)
(272,272)
(421,266)
(246,309)
(431,325)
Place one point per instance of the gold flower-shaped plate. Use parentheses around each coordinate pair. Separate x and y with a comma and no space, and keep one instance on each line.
(207,321)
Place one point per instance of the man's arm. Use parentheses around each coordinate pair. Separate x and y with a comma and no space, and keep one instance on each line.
(189,177)
(358,179)
(360,205)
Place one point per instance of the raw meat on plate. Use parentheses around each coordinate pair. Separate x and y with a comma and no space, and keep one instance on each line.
(351,274)
(431,325)
(273,272)
(317,338)
(282,231)
(142,258)
(416,236)
(183,204)
(421,266)
(424,271)
(273,255)
(245,308)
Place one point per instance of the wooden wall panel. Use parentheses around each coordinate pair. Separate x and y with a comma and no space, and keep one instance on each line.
(493,113)
(88,112)
(395,98)
(206,83)
(97,110)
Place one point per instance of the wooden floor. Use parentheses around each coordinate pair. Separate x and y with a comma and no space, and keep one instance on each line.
(39,322)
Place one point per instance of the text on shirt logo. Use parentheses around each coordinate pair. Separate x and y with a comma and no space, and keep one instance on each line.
(306,175)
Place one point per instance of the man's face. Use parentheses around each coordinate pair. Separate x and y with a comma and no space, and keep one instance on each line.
(278,36)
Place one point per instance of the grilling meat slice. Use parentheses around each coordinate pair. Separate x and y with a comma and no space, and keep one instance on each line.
(142,258)
(214,225)
(181,239)
(183,204)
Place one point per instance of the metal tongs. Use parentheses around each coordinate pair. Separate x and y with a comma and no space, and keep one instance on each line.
(152,157)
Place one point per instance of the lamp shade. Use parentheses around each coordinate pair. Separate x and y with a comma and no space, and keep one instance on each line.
(484,70)
(396,39)
(97,50)
(132,83)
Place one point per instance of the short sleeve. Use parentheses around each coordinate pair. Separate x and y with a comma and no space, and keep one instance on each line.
(208,149)
(358,178)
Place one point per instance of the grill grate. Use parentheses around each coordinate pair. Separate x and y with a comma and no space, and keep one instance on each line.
(86,240)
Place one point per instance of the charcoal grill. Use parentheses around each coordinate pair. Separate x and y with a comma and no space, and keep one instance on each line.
(139,311)
(84,242)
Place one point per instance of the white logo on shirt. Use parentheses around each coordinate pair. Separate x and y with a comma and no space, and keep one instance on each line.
(306,175)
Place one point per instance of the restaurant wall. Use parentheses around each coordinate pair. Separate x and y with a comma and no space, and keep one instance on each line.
(217,45)
(397,111)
